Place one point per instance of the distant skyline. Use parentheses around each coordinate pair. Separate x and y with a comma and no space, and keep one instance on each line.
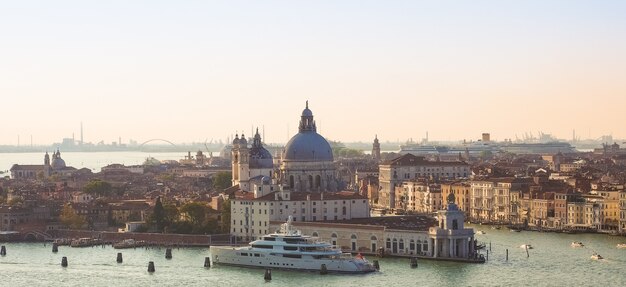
(194,70)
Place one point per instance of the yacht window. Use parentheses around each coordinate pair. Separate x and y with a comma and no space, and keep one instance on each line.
(292,255)
(244,254)
(269,238)
(290,248)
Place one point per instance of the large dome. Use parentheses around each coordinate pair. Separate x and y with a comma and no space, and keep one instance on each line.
(308,146)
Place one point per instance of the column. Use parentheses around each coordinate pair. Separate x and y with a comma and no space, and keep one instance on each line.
(451,253)
(435,251)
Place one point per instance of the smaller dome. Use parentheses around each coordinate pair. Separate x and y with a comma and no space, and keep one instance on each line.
(260,158)
(242,141)
(307,113)
(58,163)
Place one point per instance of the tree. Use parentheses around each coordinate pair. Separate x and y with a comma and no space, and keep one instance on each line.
(222,180)
(158,215)
(98,187)
(226,216)
(194,212)
(70,219)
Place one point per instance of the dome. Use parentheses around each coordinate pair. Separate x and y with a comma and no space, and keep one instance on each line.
(308,146)
(260,158)
(242,141)
(307,113)
(58,163)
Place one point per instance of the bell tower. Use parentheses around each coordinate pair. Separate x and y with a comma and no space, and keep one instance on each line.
(376,149)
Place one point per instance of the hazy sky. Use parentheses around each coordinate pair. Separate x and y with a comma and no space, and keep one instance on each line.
(191,70)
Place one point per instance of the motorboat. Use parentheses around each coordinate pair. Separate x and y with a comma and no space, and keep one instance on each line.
(480,232)
(621,245)
(526,246)
(129,243)
(289,249)
(596,256)
(85,242)
(577,244)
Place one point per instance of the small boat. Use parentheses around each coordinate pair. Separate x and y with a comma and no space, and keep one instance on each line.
(526,246)
(621,245)
(85,242)
(495,227)
(514,230)
(480,232)
(577,244)
(596,256)
(129,243)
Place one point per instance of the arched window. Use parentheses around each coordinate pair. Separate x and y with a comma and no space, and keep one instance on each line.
(291,182)
(401,245)
(314,234)
(388,243)
(353,242)
(353,236)
(412,245)
(318,181)
(333,239)
(310,181)
(373,238)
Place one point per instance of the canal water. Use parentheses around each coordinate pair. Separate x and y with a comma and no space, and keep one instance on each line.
(552,262)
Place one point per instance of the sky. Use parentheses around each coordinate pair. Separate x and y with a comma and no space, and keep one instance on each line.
(188,71)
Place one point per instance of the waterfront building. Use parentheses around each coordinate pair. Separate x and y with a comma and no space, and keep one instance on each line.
(444,238)
(491,199)
(622,211)
(450,239)
(56,166)
(610,208)
(410,167)
(251,216)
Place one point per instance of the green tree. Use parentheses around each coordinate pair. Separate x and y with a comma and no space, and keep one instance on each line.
(225,212)
(158,214)
(222,180)
(98,187)
(70,219)
(194,212)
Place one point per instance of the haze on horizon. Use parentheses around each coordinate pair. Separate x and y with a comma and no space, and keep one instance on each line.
(192,70)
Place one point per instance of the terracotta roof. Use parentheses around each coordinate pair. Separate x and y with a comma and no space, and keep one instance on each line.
(26,167)
(412,160)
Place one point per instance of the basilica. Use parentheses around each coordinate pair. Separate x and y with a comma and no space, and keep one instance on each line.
(306,162)
(301,183)
(56,166)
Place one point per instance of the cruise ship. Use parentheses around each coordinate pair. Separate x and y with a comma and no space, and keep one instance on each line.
(289,249)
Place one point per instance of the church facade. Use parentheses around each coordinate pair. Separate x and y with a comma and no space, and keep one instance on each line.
(49,168)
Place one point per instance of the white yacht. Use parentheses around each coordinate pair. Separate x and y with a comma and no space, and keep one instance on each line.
(289,249)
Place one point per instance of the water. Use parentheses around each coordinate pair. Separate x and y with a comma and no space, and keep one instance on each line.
(552,262)
(90,160)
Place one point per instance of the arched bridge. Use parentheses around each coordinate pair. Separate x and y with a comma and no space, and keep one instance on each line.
(156,140)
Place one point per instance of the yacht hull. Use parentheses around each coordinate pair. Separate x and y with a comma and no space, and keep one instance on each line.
(258,259)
